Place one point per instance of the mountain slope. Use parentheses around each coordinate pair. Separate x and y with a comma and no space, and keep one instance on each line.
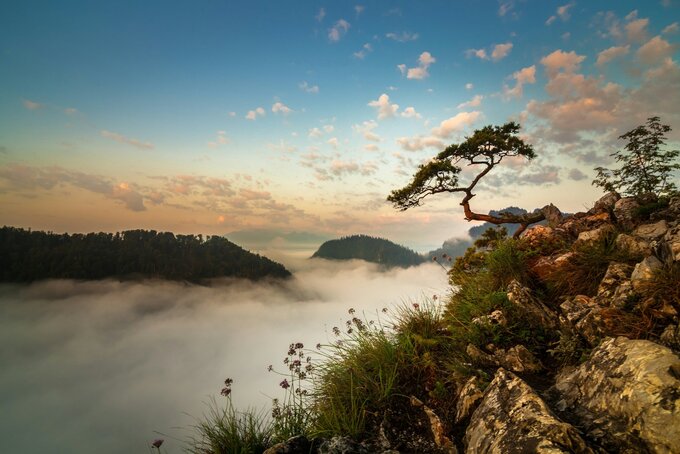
(370,249)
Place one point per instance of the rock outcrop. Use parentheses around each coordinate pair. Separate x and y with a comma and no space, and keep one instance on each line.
(512,418)
(626,396)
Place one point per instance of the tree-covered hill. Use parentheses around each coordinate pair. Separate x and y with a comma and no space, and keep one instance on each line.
(33,255)
(364,247)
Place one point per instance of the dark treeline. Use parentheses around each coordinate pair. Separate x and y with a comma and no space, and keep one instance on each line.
(33,255)
(364,247)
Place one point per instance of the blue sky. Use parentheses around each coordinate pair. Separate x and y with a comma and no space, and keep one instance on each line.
(213,116)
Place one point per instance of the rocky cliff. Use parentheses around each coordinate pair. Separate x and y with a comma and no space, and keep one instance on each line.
(588,360)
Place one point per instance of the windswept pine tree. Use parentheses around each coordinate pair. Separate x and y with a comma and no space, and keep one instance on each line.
(33,255)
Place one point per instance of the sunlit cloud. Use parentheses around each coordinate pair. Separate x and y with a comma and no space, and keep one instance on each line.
(499,52)
(365,50)
(402,37)
(32,105)
(456,123)
(610,54)
(421,71)
(126,140)
(307,88)
(338,30)
(383,106)
(281,108)
(255,113)
(562,13)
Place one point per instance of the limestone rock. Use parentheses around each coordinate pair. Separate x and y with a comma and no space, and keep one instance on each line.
(468,398)
(605,203)
(293,445)
(517,358)
(651,232)
(615,286)
(633,244)
(512,418)
(671,245)
(549,265)
(582,222)
(552,214)
(495,318)
(534,309)
(574,309)
(591,236)
(671,337)
(538,235)
(442,442)
(627,396)
(624,210)
(585,315)
(644,270)
(343,445)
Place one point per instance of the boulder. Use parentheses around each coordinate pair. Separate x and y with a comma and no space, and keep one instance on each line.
(517,358)
(577,307)
(495,318)
(644,271)
(533,309)
(670,247)
(582,222)
(441,441)
(605,204)
(626,396)
(615,286)
(538,235)
(671,337)
(585,316)
(633,245)
(591,236)
(652,232)
(552,214)
(547,266)
(293,445)
(512,418)
(468,398)
(625,211)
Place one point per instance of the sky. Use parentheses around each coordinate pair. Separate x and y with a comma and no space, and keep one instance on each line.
(298,116)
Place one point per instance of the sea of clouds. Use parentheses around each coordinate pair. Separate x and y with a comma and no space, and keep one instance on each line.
(108,366)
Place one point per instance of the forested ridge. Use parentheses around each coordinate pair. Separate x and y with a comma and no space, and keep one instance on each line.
(27,255)
(371,249)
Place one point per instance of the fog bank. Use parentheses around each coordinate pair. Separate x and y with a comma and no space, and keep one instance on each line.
(99,366)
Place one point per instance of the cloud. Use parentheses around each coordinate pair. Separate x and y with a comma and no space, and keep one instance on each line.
(419,143)
(32,105)
(636,30)
(232,114)
(655,51)
(70,111)
(304,86)
(365,50)
(501,51)
(421,71)
(23,178)
(498,52)
(320,15)
(577,175)
(127,140)
(562,12)
(383,107)
(366,129)
(523,76)
(613,52)
(222,139)
(474,102)
(333,142)
(371,147)
(469,86)
(402,37)
(338,30)
(328,128)
(455,124)
(253,114)
(358,9)
(670,29)
(280,108)
(559,60)
(314,133)
(504,7)
(410,112)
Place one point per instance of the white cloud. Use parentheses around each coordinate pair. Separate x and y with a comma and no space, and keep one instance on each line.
(328,128)
(557,60)
(474,102)
(366,129)
(32,105)
(358,9)
(333,141)
(670,29)
(127,140)
(253,114)
(320,15)
(279,107)
(371,147)
(562,12)
(402,37)
(523,76)
(365,50)
(338,30)
(221,139)
(469,86)
(498,52)
(504,7)
(383,106)
(419,72)
(654,51)
(314,133)
(304,86)
(501,51)
(410,112)
(70,111)
(456,123)
(419,143)
(232,114)
(636,30)
(611,53)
